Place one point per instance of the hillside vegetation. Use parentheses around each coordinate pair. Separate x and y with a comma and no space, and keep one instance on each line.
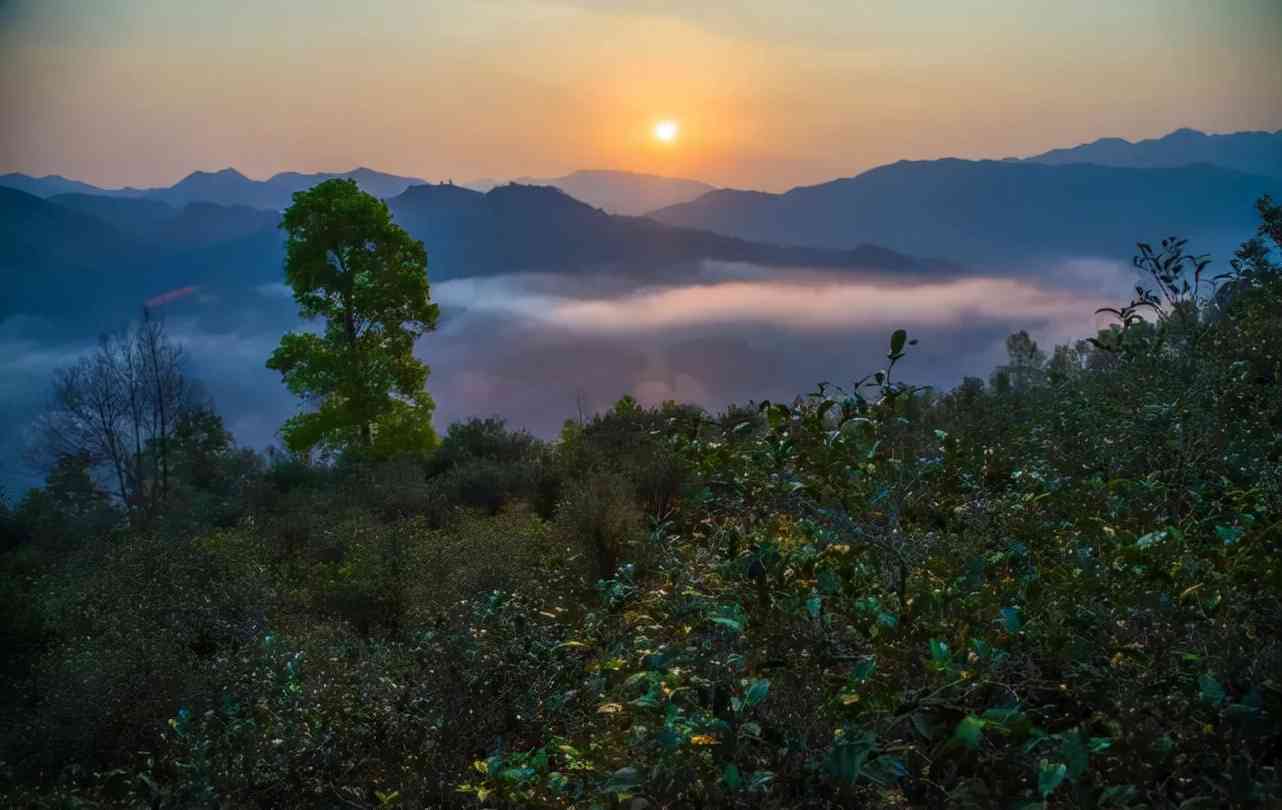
(1056,588)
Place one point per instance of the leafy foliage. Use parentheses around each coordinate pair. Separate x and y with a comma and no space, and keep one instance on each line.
(349,264)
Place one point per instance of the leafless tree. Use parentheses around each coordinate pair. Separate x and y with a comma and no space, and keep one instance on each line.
(118,407)
(167,391)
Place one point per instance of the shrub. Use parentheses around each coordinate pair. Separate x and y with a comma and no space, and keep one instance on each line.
(138,625)
(600,520)
(477,439)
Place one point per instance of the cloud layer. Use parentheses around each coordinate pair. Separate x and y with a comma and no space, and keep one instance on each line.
(532,347)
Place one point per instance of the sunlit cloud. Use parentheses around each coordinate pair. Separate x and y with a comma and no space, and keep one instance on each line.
(822,306)
(801,300)
(170,296)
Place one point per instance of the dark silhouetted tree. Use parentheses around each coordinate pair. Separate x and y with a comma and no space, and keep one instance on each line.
(1026,366)
(116,409)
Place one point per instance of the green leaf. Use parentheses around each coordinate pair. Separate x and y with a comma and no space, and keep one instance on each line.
(885,770)
(1211,690)
(897,340)
(829,582)
(1075,754)
(814,606)
(970,731)
(668,739)
(939,652)
(1099,744)
(1151,539)
(1049,776)
(922,724)
(848,755)
(623,780)
(731,623)
(1163,746)
(517,774)
(1229,534)
(731,776)
(864,669)
(1008,720)
(756,692)
(1013,619)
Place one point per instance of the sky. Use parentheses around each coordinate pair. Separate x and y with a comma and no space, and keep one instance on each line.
(767,94)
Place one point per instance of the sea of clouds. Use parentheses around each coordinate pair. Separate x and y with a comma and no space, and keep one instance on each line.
(533,348)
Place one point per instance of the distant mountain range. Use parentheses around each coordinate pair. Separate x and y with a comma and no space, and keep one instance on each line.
(49,185)
(518,228)
(85,260)
(994,211)
(616,192)
(627,193)
(225,187)
(633,194)
(166,227)
(219,228)
(1249,152)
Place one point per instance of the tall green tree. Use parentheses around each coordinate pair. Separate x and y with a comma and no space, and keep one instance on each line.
(349,264)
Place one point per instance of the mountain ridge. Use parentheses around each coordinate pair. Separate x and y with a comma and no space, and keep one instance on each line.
(120,252)
(634,193)
(1250,151)
(992,211)
(623,192)
(227,186)
(517,227)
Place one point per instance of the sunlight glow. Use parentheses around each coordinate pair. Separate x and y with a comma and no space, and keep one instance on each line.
(666,131)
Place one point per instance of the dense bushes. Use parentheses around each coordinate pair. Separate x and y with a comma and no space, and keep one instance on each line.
(136,625)
(1057,590)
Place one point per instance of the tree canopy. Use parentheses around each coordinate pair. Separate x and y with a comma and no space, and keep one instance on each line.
(350,265)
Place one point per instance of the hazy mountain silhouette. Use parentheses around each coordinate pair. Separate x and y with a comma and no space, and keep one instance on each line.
(138,216)
(618,192)
(55,260)
(225,187)
(993,211)
(167,227)
(85,262)
(113,254)
(380,184)
(519,227)
(1249,152)
(230,187)
(46,186)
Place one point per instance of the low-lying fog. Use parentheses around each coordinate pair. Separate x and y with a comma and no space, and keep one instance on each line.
(531,347)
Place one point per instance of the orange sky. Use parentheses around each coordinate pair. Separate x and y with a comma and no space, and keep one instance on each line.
(768,94)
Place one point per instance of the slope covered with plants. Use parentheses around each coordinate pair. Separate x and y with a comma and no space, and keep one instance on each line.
(1058,588)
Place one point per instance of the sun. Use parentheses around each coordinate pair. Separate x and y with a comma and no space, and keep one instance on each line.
(666,131)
